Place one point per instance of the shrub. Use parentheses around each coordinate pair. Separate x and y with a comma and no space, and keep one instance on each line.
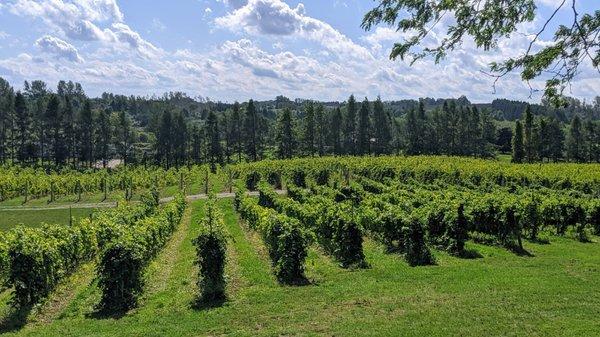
(529,214)
(274,179)
(299,177)
(4,259)
(341,235)
(125,258)
(286,240)
(416,251)
(322,177)
(252,180)
(456,233)
(211,249)
(593,216)
(41,257)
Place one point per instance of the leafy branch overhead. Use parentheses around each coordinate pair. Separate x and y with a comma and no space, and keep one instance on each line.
(488,21)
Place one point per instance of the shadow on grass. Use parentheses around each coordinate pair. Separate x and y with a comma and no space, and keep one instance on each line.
(539,241)
(106,313)
(470,254)
(208,303)
(520,251)
(16,319)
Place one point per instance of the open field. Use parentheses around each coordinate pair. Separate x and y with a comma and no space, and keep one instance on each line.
(34,218)
(416,246)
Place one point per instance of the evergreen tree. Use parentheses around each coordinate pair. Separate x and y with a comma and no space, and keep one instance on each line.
(124,137)
(69,128)
(590,133)
(528,142)
(164,143)
(179,141)
(7,126)
(54,120)
(214,155)
(381,128)
(286,142)
(196,146)
(103,135)
(412,133)
(364,128)
(308,132)
(556,140)
(518,151)
(26,148)
(350,127)
(575,141)
(251,124)
(320,129)
(236,130)
(336,131)
(86,134)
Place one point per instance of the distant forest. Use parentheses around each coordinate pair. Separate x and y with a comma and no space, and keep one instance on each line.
(54,128)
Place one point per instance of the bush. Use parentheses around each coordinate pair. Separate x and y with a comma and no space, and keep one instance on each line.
(125,258)
(416,251)
(41,257)
(274,179)
(252,180)
(593,216)
(456,233)
(286,240)
(529,215)
(4,259)
(211,250)
(322,177)
(299,178)
(340,234)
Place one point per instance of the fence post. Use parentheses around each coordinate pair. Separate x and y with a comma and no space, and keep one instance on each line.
(206,183)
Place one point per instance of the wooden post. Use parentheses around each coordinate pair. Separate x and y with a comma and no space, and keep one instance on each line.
(26,191)
(70,217)
(230,182)
(79,188)
(206,183)
(52,191)
(181,181)
(105,188)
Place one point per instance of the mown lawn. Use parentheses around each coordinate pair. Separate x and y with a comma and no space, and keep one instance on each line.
(552,293)
(34,218)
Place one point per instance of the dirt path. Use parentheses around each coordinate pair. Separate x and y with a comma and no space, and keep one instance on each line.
(114,204)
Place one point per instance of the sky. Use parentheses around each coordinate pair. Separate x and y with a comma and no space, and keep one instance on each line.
(228,50)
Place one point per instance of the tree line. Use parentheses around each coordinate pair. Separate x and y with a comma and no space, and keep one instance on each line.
(60,128)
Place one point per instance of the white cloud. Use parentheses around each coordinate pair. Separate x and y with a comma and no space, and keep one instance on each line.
(325,65)
(275,17)
(59,48)
(3,35)
(81,20)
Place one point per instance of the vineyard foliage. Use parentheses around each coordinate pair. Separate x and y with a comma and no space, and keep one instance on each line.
(286,239)
(211,250)
(35,183)
(128,252)
(37,259)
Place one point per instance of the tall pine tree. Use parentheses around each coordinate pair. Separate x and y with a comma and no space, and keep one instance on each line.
(517,143)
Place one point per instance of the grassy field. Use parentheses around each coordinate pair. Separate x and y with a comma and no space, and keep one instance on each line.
(552,293)
(34,218)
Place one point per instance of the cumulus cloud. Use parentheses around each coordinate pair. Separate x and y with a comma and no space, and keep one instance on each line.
(257,63)
(275,17)
(82,20)
(59,48)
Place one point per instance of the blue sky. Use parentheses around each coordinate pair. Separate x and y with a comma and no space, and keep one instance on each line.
(239,49)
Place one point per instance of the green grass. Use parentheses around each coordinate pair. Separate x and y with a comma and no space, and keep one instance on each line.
(34,218)
(553,293)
